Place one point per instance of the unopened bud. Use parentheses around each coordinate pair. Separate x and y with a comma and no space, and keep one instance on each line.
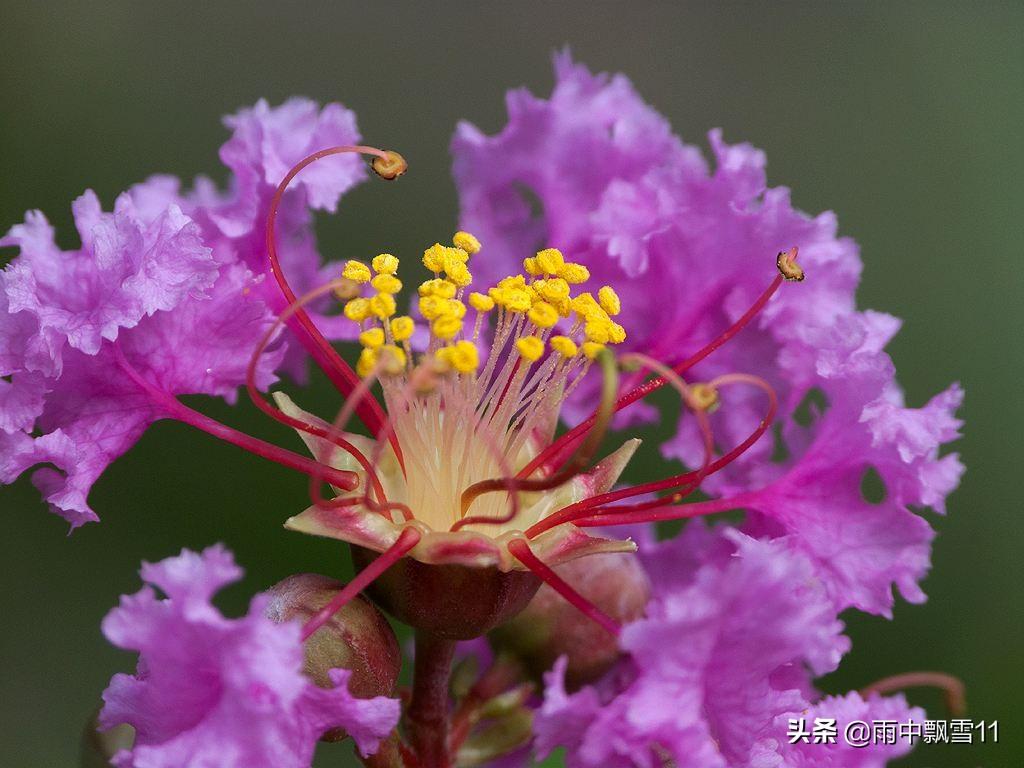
(550,627)
(99,747)
(391,166)
(357,637)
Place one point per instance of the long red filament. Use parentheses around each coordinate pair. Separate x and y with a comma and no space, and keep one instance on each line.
(952,687)
(407,539)
(522,552)
(575,434)
(280,416)
(338,371)
(178,410)
(602,516)
(685,480)
(334,430)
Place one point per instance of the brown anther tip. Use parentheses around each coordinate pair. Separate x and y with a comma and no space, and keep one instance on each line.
(786,262)
(391,166)
(703,397)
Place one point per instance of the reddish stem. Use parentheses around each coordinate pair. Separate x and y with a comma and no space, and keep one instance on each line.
(338,371)
(406,540)
(427,714)
(522,552)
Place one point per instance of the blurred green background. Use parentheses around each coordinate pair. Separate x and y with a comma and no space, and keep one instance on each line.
(906,119)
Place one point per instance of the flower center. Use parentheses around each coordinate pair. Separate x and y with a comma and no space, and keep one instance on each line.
(464,416)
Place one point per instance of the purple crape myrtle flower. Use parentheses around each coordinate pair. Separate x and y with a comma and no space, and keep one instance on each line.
(681,242)
(734,631)
(171,289)
(464,499)
(211,690)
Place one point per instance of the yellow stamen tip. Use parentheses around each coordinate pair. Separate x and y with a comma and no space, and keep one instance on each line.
(385,263)
(366,363)
(356,271)
(383,305)
(564,346)
(530,348)
(462,356)
(466,242)
(402,328)
(543,315)
(372,338)
(480,302)
(357,310)
(592,349)
(550,261)
(437,287)
(574,273)
(386,283)
(609,300)
(446,327)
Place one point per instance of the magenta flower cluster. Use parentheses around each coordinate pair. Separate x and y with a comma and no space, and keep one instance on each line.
(174,286)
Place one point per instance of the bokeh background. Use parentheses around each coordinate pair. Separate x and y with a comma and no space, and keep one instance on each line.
(907,119)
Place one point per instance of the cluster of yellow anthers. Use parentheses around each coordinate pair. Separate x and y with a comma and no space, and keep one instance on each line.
(538,300)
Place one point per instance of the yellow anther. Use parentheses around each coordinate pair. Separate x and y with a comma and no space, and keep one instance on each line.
(616,333)
(383,305)
(480,302)
(391,359)
(372,338)
(356,271)
(609,300)
(564,346)
(446,327)
(592,349)
(585,306)
(437,287)
(530,348)
(357,310)
(550,261)
(432,307)
(455,308)
(433,257)
(543,315)
(459,275)
(517,300)
(574,273)
(512,281)
(702,397)
(402,328)
(553,290)
(367,362)
(462,356)
(531,266)
(385,264)
(386,283)
(597,331)
(466,242)
(564,306)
